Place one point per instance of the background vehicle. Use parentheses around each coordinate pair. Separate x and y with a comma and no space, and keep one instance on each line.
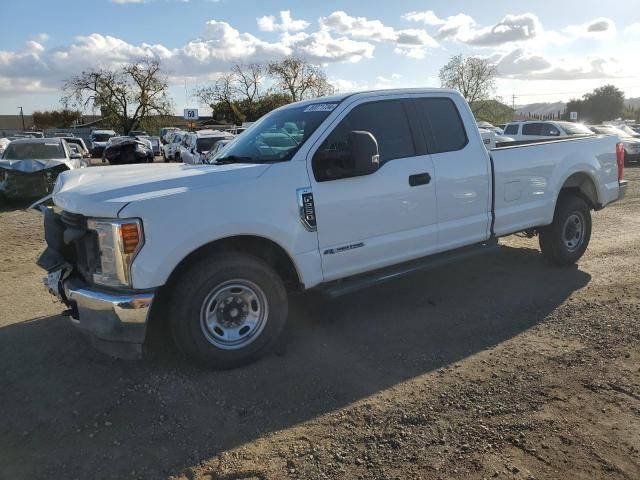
(156,145)
(29,167)
(34,134)
(631,144)
(491,139)
(3,145)
(80,142)
(369,186)
(138,133)
(195,145)
(170,150)
(537,130)
(165,134)
(121,150)
(99,139)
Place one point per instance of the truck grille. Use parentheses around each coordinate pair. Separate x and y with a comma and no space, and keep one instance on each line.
(83,243)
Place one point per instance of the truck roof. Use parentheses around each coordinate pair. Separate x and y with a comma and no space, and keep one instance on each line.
(388,91)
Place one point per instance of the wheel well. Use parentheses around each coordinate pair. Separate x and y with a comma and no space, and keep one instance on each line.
(581,184)
(260,247)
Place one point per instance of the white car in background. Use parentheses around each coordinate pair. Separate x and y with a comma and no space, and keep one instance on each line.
(195,145)
(170,149)
(99,139)
(544,130)
(490,138)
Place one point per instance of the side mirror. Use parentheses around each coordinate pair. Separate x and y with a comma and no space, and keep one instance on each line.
(364,152)
(554,133)
(75,156)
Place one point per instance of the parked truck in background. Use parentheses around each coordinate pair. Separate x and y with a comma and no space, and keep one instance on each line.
(330,194)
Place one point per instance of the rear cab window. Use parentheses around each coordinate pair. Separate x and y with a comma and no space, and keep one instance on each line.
(442,124)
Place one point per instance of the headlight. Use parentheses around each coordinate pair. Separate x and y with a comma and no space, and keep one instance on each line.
(119,241)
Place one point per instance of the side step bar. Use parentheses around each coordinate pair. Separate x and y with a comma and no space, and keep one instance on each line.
(348,285)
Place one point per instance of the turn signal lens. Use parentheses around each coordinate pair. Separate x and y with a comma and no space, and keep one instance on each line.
(130,235)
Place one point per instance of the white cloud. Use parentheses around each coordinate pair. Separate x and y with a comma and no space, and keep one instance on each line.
(428,17)
(36,68)
(409,42)
(522,65)
(322,47)
(287,24)
(600,27)
(633,29)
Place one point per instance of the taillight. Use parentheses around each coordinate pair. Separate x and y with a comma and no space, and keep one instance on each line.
(620,159)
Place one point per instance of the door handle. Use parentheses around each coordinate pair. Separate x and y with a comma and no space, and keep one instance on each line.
(419,179)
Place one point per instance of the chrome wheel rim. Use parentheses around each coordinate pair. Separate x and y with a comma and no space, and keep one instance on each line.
(234,314)
(574,231)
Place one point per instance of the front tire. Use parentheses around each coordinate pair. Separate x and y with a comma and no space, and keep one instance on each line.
(228,310)
(564,241)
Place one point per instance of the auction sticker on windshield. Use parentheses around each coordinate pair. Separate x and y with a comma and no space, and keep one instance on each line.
(321,107)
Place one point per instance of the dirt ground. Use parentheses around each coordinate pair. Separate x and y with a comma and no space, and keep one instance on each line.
(499,367)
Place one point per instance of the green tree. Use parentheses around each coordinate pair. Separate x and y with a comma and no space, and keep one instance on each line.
(604,103)
(62,118)
(473,77)
(126,96)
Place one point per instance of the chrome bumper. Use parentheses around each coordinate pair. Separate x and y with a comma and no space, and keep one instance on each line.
(116,322)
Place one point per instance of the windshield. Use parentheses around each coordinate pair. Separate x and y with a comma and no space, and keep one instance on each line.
(101,137)
(34,151)
(575,128)
(277,136)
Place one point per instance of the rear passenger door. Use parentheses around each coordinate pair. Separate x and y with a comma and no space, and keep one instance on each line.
(386,217)
(461,170)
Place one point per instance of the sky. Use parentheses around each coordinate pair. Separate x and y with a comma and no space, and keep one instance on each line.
(544,51)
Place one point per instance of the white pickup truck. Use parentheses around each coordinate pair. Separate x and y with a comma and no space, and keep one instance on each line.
(333,194)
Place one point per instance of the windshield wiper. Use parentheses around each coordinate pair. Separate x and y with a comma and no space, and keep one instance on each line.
(232,159)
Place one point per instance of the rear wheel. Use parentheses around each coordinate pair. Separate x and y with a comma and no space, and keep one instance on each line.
(566,239)
(228,310)
(177,157)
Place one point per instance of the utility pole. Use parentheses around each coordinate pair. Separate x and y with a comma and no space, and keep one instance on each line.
(22,116)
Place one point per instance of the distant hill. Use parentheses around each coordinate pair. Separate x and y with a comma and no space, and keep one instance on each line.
(542,109)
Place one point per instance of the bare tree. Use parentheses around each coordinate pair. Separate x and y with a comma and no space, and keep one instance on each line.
(126,95)
(299,78)
(249,79)
(473,77)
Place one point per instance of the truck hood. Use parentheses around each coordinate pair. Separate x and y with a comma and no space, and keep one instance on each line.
(104,191)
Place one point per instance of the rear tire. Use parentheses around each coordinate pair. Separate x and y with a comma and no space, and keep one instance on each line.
(564,241)
(228,310)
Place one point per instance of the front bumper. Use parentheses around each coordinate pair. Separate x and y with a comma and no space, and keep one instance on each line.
(116,322)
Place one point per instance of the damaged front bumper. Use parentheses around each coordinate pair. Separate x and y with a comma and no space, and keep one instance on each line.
(116,322)
(115,319)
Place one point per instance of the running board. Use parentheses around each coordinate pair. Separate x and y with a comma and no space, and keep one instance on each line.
(348,285)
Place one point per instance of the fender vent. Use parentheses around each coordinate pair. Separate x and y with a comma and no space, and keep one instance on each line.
(307,208)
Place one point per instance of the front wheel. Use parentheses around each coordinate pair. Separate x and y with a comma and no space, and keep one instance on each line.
(566,239)
(228,310)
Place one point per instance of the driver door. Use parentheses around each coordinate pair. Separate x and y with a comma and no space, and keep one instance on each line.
(379,219)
